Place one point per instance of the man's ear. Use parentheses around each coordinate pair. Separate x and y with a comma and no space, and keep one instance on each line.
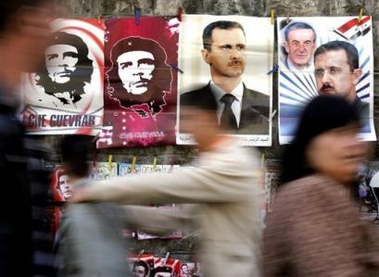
(285,46)
(357,73)
(206,56)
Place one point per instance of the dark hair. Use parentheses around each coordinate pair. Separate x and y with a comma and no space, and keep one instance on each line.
(158,85)
(82,74)
(221,24)
(323,113)
(143,264)
(298,25)
(350,50)
(59,173)
(75,153)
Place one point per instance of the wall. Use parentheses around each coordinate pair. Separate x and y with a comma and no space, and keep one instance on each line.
(120,8)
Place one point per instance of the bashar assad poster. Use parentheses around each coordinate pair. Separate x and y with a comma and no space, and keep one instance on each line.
(228,56)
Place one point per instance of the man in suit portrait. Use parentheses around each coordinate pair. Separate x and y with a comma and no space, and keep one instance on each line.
(337,72)
(240,110)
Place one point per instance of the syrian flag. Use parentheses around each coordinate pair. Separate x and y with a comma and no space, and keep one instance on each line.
(354,28)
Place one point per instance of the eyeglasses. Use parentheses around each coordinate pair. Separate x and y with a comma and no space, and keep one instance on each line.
(330,71)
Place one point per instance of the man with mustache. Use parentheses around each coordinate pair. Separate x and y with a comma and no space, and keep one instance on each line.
(139,77)
(239,109)
(337,72)
(67,69)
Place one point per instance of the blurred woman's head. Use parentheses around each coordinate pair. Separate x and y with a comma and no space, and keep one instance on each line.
(325,142)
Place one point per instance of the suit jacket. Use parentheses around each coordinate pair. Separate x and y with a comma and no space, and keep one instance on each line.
(90,242)
(255,109)
(223,187)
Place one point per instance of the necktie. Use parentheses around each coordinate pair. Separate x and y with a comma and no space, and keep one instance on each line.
(228,120)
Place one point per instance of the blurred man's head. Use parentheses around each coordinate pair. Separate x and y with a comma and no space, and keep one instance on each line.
(224,45)
(24,33)
(337,69)
(300,42)
(201,121)
(75,151)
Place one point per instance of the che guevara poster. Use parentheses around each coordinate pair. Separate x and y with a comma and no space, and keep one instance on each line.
(140,82)
(65,96)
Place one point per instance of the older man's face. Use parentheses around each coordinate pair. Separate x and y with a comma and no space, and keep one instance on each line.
(60,61)
(135,69)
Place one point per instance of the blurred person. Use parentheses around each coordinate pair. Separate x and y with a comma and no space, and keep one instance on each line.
(239,109)
(337,72)
(314,229)
(67,69)
(24,33)
(139,76)
(299,45)
(140,269)
(221,191)
(90,241)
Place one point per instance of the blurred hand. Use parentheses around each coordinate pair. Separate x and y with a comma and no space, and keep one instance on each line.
(80,195)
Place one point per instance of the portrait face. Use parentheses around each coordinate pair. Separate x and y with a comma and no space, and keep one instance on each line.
(106,135)
(64,186)
(135,69)
(185,269)
(139,271)
(334,75)
(300,47)
(227,57)
(337,153)
(60,61)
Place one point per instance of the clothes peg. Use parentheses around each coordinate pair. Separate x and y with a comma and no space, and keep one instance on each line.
(140,253)
(164,261)
(273,69)
(174,66)
(180,13)
(272,16)
(110,157)
(134,164)
(360,15)
(137,15)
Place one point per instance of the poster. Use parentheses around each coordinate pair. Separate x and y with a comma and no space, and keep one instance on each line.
(66,95)
(298,39)
(140,82)
(103,170)
(244,58)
